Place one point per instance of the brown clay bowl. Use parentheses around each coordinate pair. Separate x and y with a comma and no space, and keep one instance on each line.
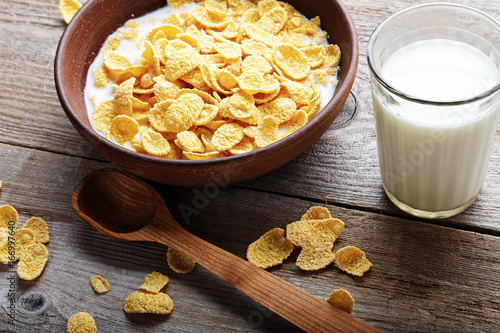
(97,19)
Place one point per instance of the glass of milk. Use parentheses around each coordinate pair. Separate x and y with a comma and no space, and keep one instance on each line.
(435,72)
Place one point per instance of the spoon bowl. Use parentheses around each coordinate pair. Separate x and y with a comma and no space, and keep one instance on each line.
(126,208)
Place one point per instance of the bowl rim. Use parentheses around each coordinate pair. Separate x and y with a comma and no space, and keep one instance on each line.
(344,87)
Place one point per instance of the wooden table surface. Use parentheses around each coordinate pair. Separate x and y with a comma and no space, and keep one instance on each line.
(427,276)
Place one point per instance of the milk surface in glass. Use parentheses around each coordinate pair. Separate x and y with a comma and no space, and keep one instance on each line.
(433,157)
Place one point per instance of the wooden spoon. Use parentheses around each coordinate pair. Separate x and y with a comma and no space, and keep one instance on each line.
(126,208)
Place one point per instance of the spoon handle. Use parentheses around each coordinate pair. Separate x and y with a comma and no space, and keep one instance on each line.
(290,302)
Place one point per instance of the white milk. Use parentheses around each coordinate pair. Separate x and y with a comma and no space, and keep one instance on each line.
(132,51)
(434,158)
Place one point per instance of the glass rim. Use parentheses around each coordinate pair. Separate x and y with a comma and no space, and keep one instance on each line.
(377,75)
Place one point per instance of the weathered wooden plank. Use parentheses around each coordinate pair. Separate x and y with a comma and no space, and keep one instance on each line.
(342,168)
(425,277)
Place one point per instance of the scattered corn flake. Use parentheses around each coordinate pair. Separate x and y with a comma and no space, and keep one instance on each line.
(123,128)
(316,213)
(179,262)
(1,184)
(32,261)
(270,249)
(312,258)
(146,302)
(154,143)
(227,136)
(189,141)
(100,284)
(24,237)
(8,214)
(352,260)
(5,256)
(314,232)
(81,322)
(68,9)
(154,282)
(292,61)
(341,299)
(267,132)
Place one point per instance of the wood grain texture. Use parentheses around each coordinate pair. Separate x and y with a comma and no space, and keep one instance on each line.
(425,277)
(428,276)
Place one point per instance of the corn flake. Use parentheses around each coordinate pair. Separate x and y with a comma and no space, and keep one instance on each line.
(230,51)
(99,284)
(352,260)
(315,54)
(202,156)
(273,20)
(68,9)
(316,213)
(292,61)
(8,214)
(244,146)
(179,262)
(32,261)
(281,108)
(207,19)
(154,282)
(154,143)
(314,232)
(206,75)
(81,322)
(270,249)
(189,141)
(123,97)
(267,132)
(24,237)
(227,136)
(312,258)
(298,120)
(341,299)
(146,302)
(123,128)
